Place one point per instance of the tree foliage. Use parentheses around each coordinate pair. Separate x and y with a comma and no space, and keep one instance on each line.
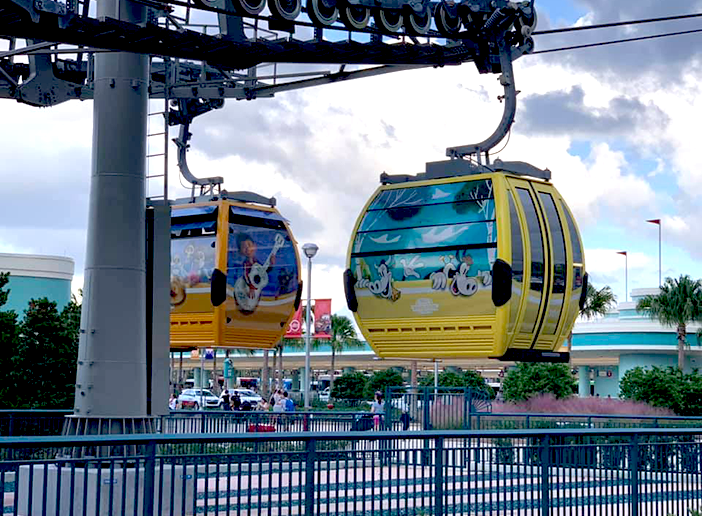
(678,304)
(668,388)
(40,354)
(382,379)
(469,378)
(350,386)
(598,302)
(343,337)
(530,379)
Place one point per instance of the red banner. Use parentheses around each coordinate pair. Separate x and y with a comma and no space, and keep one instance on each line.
(322,319)
(294,330)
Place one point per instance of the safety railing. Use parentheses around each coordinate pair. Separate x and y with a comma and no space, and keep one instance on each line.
(530,472)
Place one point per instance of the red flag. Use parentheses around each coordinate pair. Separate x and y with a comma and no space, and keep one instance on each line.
(322,319)
(621,252)
(655,221)
(294,330)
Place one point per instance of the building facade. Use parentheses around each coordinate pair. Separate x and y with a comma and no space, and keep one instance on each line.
(625,339)
(34,277)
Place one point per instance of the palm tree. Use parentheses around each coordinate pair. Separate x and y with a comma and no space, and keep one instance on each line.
(597,303)
(279,348)
(679,303)
(343,337)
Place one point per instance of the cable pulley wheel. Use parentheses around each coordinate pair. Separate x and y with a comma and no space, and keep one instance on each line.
(252,7)
(418,23)
(354,16)
(285,9)
(447,24)
(388,20)
(321,14)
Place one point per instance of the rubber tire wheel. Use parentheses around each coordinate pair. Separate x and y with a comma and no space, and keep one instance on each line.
(252,7)
(418,23)
(285,9)
(320,14)
(196,406)
(388,20)
(354,17)
(444,23)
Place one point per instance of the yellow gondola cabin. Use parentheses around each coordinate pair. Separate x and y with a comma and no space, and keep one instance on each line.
(466,261)
(235,275)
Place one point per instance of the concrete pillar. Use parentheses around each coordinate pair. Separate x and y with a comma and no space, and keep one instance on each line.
(584,381)
(413,377)
(296,379)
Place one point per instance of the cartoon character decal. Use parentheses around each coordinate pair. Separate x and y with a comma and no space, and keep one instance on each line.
(261,265)
(441,236)
(192,264)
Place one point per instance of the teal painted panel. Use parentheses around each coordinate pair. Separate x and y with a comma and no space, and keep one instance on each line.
(24,288)
(607,385)
(628,339)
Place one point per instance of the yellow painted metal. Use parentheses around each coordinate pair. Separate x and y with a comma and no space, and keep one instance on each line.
(410,318)
(197,323)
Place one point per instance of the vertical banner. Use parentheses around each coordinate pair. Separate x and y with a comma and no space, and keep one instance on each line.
(322,319)
(294,330)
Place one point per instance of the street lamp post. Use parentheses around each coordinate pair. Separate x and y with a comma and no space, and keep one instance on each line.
(626,274)
(658,223)
(310,250)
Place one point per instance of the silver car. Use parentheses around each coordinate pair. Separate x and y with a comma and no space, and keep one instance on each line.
(197,399)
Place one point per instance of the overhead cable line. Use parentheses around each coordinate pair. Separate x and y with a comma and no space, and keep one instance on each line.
(616,41)
(617,24)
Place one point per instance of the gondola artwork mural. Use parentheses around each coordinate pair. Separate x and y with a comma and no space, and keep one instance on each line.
(235,275)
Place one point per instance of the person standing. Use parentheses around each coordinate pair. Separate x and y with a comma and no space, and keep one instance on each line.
(226,400)
(377,409)
(289,405)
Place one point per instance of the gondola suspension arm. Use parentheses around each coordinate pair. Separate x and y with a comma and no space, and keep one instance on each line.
(507,54)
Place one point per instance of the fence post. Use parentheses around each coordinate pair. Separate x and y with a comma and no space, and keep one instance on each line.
(311,458)
(202,422)
(149,479)
(634,475)
(427,424)
(439,476)
(545,476)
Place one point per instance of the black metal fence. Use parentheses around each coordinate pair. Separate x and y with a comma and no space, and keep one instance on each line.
(526,472)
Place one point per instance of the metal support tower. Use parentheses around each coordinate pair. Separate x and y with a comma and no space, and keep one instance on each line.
(111,378)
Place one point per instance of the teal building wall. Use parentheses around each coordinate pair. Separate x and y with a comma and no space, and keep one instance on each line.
(23,288)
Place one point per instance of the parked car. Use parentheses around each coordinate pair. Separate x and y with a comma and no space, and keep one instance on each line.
(197,399)
(324,395)
(245,395)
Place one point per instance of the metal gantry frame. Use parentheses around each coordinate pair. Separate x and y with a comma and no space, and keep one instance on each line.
(73,53)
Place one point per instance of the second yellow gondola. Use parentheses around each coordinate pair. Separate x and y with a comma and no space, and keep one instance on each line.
(235,275)
(470,263)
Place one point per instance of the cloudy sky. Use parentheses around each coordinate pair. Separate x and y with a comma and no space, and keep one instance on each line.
(617,126)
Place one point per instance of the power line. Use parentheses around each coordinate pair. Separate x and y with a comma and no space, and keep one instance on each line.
(616,41)
(617,24)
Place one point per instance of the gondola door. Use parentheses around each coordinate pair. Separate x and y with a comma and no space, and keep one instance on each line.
(537,266)
(560,264)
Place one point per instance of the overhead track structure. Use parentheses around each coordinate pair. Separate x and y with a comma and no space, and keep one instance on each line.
(65,36)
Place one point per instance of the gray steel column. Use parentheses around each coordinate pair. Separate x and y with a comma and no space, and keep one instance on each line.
(111,377)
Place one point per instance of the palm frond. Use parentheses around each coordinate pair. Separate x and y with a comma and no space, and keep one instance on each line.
(598,302)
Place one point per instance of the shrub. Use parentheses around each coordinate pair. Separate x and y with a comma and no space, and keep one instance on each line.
(350,386)
(382,379)
(530,379)
(548,404)
(471,379)
(667,388)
